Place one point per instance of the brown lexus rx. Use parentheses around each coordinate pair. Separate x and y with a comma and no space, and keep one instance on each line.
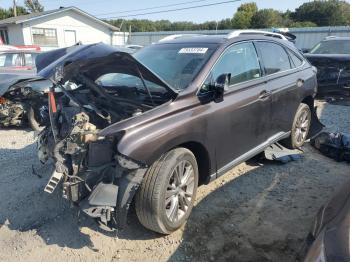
(150,127)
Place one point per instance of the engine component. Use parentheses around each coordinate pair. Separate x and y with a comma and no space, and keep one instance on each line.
(11,113)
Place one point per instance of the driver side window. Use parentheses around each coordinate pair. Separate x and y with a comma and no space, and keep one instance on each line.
(239,60)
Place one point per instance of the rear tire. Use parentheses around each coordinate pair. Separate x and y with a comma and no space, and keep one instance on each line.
(167,193)
(300,128)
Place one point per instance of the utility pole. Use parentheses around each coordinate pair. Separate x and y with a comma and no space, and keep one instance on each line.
(14,8)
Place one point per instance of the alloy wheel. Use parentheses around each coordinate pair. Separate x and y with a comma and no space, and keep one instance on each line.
(179,193)
(302,127)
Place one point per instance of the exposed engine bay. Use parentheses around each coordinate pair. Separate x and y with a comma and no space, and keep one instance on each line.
(91,98)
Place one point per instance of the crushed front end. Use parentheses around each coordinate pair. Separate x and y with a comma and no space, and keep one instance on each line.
(87,166)
(93,95)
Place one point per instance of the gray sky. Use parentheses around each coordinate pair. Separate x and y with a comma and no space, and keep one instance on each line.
(217,12)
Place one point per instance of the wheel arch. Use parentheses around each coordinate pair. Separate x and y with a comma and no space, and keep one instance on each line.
(130,184)
(203,159)
(309,100)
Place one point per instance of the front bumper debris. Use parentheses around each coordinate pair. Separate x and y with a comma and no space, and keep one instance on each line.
(101,203)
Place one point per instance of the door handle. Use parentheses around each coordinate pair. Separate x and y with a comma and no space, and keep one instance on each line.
(264,95)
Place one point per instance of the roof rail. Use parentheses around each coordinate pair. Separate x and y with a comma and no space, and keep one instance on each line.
(172,37)
(330,37)
(255,32)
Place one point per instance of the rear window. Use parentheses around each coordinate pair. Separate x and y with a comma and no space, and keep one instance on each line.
(274,57)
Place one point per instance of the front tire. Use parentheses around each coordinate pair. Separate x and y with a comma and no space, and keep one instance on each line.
(300,128)
(168,191)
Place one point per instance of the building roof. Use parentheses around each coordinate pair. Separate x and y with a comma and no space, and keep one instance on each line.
(29,17)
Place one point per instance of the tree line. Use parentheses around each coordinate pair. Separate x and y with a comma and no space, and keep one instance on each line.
(30,6)
(248,15)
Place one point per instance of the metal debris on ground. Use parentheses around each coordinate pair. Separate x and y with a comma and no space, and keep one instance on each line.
(277,152)
(333,145)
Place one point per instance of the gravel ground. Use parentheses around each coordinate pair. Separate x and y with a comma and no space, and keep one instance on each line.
(253,213)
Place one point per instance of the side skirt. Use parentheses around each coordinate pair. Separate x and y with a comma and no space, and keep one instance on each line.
(251,153)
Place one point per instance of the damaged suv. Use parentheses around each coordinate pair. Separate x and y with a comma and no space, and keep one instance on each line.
(152,126)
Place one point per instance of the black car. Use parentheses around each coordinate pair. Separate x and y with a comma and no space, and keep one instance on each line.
(331,57)
(329,237)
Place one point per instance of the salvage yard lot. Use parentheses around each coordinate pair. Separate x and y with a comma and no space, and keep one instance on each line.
(253,213)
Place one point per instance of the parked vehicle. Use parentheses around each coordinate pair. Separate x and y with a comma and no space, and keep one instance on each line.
(329,237)
(22,100)
(332,59)
(18,59)
(154,125)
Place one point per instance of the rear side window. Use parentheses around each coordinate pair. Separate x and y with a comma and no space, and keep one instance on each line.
(275,59)
(296,60)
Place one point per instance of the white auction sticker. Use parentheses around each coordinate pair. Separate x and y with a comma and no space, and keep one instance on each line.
(193,50)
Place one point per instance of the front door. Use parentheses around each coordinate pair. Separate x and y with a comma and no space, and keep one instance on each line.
(70,37)
(240,122)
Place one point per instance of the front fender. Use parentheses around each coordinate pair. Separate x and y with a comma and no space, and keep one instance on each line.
(148,148)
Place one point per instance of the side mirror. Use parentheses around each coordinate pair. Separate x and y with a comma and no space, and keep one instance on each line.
(220,86)
(215,90)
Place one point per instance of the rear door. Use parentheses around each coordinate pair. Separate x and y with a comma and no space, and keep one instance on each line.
(239,123)
(283,80)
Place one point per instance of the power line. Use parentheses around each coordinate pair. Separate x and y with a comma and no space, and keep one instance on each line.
(173,10)
(154,7)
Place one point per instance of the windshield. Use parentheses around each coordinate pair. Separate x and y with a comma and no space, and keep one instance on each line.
(332,47)
(177,64)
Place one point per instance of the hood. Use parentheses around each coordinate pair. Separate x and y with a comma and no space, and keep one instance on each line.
(93,61)
(9,78)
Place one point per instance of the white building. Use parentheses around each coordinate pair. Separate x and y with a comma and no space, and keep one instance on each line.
(59,28)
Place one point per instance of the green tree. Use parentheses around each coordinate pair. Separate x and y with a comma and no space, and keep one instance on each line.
(324,13)
(33,6)
(7,13)
(302,24)
(243,16)
(266,18)
(225,24)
